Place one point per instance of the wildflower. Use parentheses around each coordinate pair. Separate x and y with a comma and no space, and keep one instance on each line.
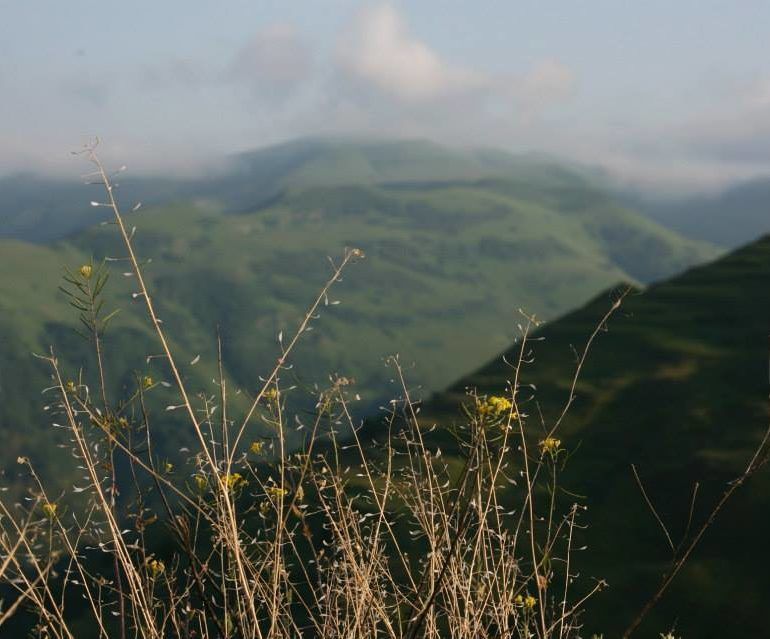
(271,394)
(201,483)
(494,406)
(264,507)
(256,447)
(147,381)
(85,271)
(156,568)
(70,386)
(550,445)
(275,492)
(234,481)
(529,602)
(49,509)
(122,422)
(168,467)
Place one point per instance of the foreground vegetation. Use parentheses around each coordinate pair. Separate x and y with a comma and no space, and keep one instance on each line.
(401,530)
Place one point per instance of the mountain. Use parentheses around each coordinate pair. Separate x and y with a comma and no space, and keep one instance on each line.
(678,386)
(452,252)
(737,215)
(42,209)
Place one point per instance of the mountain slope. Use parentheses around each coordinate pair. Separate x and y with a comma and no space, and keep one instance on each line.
(448,264)
(677,386)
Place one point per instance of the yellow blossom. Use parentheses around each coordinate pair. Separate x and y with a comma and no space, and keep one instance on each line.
(147,381)
(275,492)
(70,386)
(271,394)
(156,568)
(234,481)
(49,509)
(201,483)
(529,602)
(494,406)
(550,445)
(256,447)
(85,271)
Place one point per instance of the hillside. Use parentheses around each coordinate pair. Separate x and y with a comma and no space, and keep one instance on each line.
(677,386)
(448,264)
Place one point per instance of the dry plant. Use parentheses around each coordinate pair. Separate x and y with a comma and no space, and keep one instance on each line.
(370,530)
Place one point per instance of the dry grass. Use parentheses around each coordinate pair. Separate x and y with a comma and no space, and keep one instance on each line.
(337,540)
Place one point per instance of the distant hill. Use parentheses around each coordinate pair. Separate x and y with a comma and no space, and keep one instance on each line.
(678,385)
(253,178)
(737,215)
(449,261)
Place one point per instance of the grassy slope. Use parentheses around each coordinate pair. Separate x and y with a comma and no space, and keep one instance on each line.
(678,386)
(448,264)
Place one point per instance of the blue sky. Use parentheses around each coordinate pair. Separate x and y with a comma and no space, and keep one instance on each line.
(669,94)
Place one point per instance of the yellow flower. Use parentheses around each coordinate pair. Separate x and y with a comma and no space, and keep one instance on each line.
(201,483)
(49,509)
(147,381)
(550,445)
(85,271)
(156,568)
(168,467)
(256,447)
(234,481)
(271,394)
(70,386)
(122,422)
(275,492)
(529,602)
(494,406)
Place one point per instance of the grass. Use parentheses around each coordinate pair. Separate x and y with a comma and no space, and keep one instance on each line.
(678,387)
(470,530)
(465,251)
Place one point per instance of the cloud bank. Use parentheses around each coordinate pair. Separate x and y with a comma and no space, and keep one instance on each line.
(376,75)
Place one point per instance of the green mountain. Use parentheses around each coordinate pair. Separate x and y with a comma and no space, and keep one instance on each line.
(678,386)
(43,209)
(450,259)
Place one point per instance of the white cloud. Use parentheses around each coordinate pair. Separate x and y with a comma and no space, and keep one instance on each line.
(378,49)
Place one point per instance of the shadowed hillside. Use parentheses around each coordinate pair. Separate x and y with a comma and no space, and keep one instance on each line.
(677,386)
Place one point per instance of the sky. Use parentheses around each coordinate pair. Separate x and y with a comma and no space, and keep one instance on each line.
(664,95)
